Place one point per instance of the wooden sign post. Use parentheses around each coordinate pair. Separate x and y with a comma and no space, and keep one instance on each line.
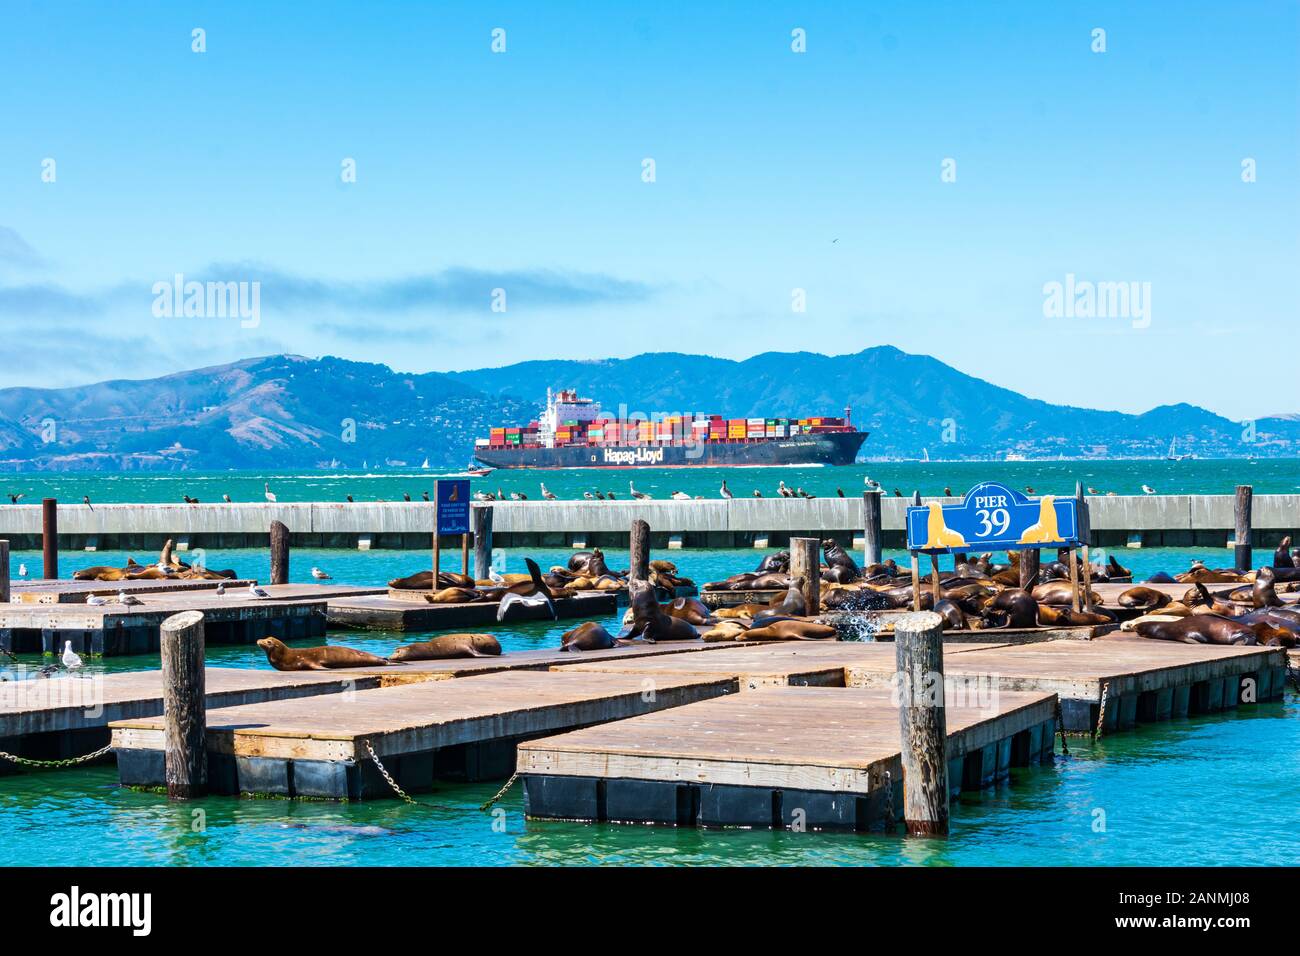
(451,515)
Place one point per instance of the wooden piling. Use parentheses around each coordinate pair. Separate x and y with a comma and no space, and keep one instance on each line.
(1028,568)
(279,552)
(184,712)
(872,551)
(4,572)
(50,538)
(464,554)
(918,643)
(482,521)
(1241,518)
(936,585)
(639,551)
(805,562)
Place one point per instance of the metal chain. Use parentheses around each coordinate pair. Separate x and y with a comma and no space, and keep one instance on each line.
(386,775)
(1101,711)
(1060,725)
(501,793)
(70,762)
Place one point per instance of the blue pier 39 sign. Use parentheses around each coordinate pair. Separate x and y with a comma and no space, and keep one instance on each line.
(993,517)
(452,495)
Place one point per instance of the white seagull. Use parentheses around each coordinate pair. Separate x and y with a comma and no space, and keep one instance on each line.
(124,598)
(255,592)
(638,495)
(320,575)
(724,490)
(270,496)
(22,570)
(784,491)
(221,589)
(548,495)
(96,600)
(71,660)
(871,483)
(1148,490)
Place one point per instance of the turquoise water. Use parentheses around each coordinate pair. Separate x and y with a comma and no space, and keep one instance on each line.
(1206,476)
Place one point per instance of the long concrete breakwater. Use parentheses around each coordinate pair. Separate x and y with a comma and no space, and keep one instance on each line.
(1149,520)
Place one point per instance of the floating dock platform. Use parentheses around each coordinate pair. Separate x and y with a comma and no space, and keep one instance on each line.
(1139,680)
(388,613)
(76,592)
(457,729)
(814,758)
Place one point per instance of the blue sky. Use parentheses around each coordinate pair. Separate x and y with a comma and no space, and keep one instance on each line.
(775,171)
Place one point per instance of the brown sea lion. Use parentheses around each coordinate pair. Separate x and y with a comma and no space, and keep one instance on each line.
(740,610)
(724,631)
(1282,554)
(1143,599)
(1161,577)
(588,636)
(1198,629)
(791,603)
(841,568)
(1200,595)
(1262,592)
(691,610)
(1049,615)
(1200,574)
(649,621)
(1011,608)
(448,646)
(779,562)
(423,581)
(790,630)
(1061,594)
(454,596)
(953,617)
(326,657)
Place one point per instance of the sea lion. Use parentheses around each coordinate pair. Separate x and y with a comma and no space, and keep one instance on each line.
(423,581)
(1061,594)
(454,596)
(447,646)
(779,562)
(790,630)
(1011,608)
(326,657)
(953,617)
(1262,592)
(1198,629)
(591,562)
(1049,615)
(740,610)
(1282,554)
(1200,594)
(691,610)
(1161,577)
(842,569)
(724,631)
(1143,599)
(589,636)
(649,620)
(791,603)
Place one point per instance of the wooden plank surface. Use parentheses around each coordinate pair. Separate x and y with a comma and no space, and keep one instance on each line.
(151,610)
(824,739)
(1079,669)
(415,718)
(71,703)
(380,611)
(76,592)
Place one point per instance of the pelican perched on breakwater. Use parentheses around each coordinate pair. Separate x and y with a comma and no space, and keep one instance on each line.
(266,489)
(638,495)
(724,490)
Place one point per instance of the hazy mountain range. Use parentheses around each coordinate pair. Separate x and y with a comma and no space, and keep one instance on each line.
(286,411)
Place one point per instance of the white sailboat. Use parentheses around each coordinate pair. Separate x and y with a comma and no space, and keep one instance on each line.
(425,464)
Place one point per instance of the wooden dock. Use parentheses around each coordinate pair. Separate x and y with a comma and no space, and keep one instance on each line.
(755,666)
(814,758)
(76,592)
(1140,680)
(459,729)
(403,614)
(61,717)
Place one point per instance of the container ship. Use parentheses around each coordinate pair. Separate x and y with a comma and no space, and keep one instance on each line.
(574,433)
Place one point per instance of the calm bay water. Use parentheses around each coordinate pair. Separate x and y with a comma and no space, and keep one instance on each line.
(1184,792)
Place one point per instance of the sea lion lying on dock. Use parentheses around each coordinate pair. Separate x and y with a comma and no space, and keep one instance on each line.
(724,631)
(663,574)
(1049,615)
(840,568)
(423,581)
(455,596)
(1061,594)
(589,563)
(1198,629)
(1011,608)
(589,636)
(788,629)
(1143,599)
(953,617)
(691,610)
(449,646)
(324,658)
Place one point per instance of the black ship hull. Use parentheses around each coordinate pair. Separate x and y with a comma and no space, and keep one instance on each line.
(823,448)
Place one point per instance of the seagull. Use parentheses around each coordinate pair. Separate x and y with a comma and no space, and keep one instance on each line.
(1148,490)
(96,600)
(255,592)
(14,499)
(724,490)
(947,492)
(589,496)
(638,495)
(757,493)
(71,660)
(1029,490)
(270,495)
(871,483)
(784,491)
(680,496)
(221,589)
(480,495)
(22,570)
(495,577)
(124,598)
(1093,491)
(226,499)
(320,575)
(518,496)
